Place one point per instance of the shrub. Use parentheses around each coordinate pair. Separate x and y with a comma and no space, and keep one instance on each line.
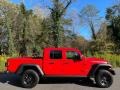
(113,59)
(3,59)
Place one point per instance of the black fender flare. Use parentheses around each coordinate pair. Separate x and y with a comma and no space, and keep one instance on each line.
(21,68)
(96,67)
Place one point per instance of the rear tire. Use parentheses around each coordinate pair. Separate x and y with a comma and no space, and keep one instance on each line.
(29,79)
(104,79)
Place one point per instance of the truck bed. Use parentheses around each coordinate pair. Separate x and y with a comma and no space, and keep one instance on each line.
(17,62)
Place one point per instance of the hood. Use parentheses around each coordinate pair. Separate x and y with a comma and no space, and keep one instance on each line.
(96,60)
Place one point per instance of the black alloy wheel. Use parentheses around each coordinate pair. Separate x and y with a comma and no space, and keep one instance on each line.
(29,79)
(104,79)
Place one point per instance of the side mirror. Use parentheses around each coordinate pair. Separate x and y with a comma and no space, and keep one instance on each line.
(77,57)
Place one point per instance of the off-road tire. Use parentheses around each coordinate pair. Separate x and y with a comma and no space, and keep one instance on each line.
(104,79)
(29,79)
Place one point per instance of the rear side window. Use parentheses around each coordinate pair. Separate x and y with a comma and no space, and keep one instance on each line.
(55,54)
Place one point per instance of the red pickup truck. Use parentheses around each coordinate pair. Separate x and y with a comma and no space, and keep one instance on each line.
(61,62)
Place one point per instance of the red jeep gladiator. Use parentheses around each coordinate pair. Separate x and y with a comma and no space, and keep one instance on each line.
(61,62)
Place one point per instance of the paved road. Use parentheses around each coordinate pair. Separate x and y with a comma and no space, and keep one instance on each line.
(11,82)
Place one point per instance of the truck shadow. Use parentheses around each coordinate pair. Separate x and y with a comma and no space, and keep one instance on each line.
(15,81)
(81,82)
(10,79)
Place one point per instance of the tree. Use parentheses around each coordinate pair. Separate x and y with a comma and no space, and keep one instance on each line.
(113,17)
(20,29)
(89,15)
(24,24)
(8,14)
(57,12)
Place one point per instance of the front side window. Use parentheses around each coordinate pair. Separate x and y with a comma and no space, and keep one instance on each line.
(55,54)
(72,55)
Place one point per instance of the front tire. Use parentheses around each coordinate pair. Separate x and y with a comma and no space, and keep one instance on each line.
(29,79)
(104,79)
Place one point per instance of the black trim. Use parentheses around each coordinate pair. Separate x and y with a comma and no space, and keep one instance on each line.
(112,71)
(21,68)
(97,66)
(65,76)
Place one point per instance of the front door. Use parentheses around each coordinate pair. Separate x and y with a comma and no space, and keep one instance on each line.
(73,65)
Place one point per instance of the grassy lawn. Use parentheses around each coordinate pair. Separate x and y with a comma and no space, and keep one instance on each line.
(113,59)
(2,66)
(3,59)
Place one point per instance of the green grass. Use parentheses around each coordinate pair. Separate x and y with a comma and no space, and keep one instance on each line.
(3,59)
(2,66)
(113,59)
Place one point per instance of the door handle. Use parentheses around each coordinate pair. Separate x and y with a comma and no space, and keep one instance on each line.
(51,63)
(66,63)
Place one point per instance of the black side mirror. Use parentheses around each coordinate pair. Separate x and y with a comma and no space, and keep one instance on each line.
(77,57)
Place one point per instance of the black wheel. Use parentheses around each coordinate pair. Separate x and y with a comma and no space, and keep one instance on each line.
(29,79)
(104,79)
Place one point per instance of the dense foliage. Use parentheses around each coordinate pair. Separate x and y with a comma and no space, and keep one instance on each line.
(113,17)
(21,30)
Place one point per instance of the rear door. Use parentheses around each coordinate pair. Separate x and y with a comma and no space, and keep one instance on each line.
(53,65)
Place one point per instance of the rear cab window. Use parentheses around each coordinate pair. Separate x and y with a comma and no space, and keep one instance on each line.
(56,54)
